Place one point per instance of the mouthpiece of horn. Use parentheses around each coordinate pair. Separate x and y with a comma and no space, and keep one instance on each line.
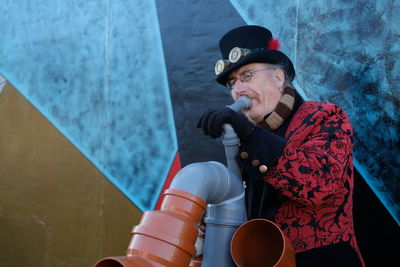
(243,103)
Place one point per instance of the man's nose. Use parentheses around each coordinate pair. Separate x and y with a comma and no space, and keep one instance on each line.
(239,87)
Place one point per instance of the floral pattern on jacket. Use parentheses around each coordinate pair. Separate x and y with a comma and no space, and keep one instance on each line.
(315,172)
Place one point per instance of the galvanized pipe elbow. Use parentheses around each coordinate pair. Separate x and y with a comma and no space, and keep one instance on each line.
(211,181)
(223,191)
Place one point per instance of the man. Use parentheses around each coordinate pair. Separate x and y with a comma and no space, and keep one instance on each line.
(296,156)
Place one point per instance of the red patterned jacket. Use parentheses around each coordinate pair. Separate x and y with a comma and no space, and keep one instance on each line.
(314,171)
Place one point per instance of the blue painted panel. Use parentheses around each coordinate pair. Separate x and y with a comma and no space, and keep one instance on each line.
(346,52)
(96,70)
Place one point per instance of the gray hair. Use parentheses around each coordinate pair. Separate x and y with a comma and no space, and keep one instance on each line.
(282,67)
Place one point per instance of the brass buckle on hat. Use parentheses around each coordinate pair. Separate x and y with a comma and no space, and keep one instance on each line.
(234,55)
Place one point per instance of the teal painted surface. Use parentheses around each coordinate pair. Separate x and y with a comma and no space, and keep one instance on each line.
(95,69)
(346,52)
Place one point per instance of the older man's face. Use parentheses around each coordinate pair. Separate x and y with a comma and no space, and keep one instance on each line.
(264,88)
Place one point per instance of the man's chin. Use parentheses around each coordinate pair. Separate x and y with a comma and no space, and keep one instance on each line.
(251,118)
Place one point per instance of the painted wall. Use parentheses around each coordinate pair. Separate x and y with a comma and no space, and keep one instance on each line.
(56,208)
(87,135)
(121,85)
(95,69)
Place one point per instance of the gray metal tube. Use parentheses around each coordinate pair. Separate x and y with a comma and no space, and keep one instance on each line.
(223,190)
(231,143)
(224,193)
(211,181)
(222,221)
(243,103)
(230,139)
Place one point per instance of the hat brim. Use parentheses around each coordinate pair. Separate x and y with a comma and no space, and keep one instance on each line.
(262,56)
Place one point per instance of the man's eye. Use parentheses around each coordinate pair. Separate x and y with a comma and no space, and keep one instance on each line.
(246,76)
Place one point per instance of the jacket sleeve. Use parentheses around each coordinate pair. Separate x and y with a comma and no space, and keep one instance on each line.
(316,156)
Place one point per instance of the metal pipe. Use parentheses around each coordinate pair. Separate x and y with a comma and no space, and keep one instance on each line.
(211,181)
(224,193)
(230,139)
(166,237)
(222,189)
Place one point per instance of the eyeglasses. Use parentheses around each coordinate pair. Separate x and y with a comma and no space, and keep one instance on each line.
(244,77)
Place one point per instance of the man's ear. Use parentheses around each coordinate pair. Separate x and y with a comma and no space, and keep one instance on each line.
(279,78)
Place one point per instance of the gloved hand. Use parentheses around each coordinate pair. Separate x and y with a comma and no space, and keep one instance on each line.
(212,120)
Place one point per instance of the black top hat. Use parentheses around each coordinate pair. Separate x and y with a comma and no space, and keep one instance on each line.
(249,44)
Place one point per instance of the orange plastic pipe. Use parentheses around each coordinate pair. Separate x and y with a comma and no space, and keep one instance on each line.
(164,237)
(261,241)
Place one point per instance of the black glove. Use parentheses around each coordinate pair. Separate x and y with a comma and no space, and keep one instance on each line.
(212,120)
